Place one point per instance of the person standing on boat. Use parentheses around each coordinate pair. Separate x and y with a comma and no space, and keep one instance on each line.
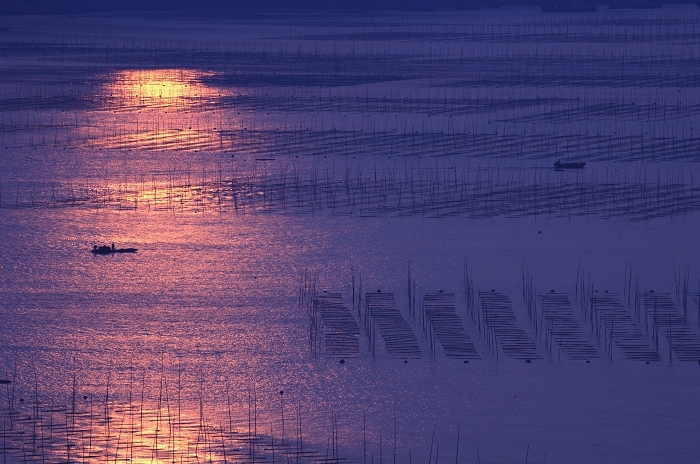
(112,246)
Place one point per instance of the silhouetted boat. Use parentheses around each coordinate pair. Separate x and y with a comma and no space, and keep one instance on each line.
(4,381)
(107,250)
(570,165)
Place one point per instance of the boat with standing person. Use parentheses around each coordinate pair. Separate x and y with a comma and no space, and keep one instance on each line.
(108,250)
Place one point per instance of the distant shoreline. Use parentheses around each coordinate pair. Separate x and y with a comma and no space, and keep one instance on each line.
(221,7)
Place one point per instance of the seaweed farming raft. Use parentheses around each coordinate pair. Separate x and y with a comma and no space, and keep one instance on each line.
(399,339)
(563,328)
(621,328)
(439,310)
(339,328)
(668,319)
(502,325)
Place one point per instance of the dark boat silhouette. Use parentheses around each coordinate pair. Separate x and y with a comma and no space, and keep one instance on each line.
(569,165)
(4,381)
(108,250)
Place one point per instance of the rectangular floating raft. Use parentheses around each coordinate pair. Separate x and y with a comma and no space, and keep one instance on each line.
(680,335)
(500,320)
(339,328)
(563,328)
(622,329)
(399,339)
(447,326)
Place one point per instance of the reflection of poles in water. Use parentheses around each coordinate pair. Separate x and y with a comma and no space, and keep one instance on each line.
(282,412)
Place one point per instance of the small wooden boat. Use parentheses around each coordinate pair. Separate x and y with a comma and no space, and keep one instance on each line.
(569,165)
(108,250)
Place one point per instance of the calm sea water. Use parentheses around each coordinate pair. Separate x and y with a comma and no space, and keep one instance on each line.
(207,314)
(248,163)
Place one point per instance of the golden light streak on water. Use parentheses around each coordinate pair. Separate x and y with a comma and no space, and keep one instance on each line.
(130,433)
(170,109)
(157,89)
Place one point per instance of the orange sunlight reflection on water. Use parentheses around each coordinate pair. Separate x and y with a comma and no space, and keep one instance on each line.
(157,89)
(206,308)
(103,432)
(162,109)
